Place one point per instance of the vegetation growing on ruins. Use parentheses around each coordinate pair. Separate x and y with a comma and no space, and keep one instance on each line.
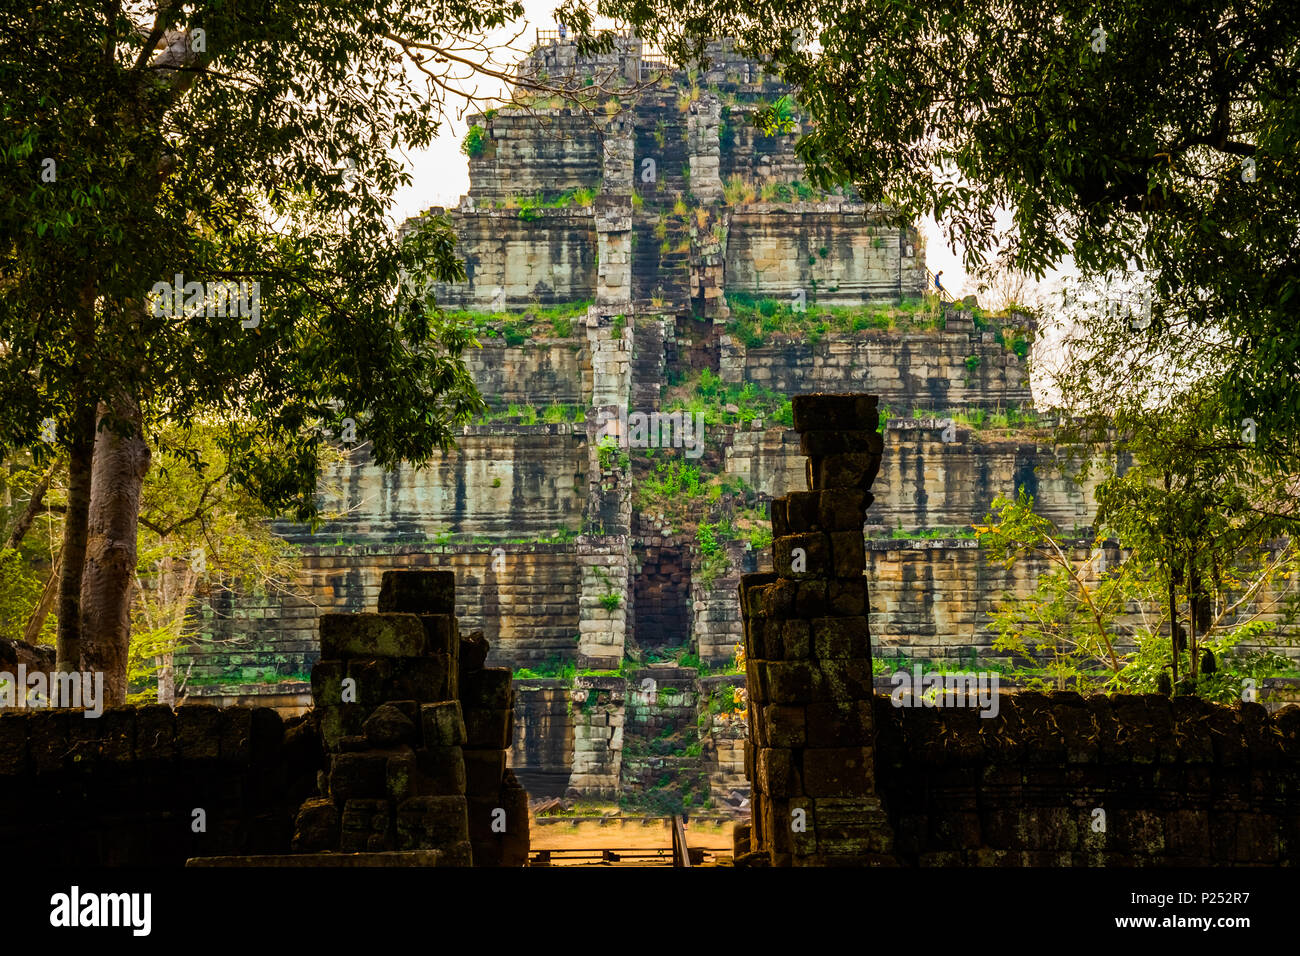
(475,142)
(728,404)
(534,321)
(553,414)
(986,423)
(527,205)
(755,319)
(737,191)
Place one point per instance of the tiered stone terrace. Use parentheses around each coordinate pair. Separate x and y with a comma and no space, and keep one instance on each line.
(556,564)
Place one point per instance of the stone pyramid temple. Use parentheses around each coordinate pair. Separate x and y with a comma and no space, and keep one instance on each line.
(652,279)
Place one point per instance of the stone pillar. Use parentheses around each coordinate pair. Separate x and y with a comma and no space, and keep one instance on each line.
(598,714)
(613,219)
(702,122)
(731,360)
(603,604)
(810,755)
(405,772)
(497,806)
(617,156)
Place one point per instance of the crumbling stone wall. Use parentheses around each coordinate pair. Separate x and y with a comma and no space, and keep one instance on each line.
(1064,780)
(501,479)
(541,756)
(151,786)
(548,258)
(524,598)
(553,370)
(832,252)
(406,747)
(926,370)
(416,729)
(516,161)
(662,585)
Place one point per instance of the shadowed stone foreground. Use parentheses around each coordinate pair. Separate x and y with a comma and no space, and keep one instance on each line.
(416,731)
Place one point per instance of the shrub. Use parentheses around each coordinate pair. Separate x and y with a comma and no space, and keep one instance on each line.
(737,191)
(475,142)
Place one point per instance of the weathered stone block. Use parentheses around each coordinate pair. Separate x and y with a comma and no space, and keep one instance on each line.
(347,636)
(838,771)
(489,728)
(785,725)
(339,721)
(473,652)
(443,724)
(820,444)
(796,640)
(802,556)
(117,736)
(829,412)
(155,734)
(811,599)
(387,726)
(844,471)
(425,679)
(442,634)
(843,509)
(327,682)
(198,732)
(483,772)
(849,554)
(488,689)
(366,824)
(358,776)
(401,776)
(840,723)
(841,637)
(778,598)
(846,598)
(441,771)
(779,772)
(316,826)
(418,592)
(788,682)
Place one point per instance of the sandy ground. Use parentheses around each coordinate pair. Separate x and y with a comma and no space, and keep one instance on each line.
(627,834)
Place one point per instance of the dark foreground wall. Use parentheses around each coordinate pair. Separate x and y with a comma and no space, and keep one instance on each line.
(122,789)
(1181,782)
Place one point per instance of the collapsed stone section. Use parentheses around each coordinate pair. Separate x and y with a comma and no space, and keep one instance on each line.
(810,753)
(415,729)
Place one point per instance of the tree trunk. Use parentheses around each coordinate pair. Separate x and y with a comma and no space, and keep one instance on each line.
(121,462)
(166,679)
(81,454)
(37,621)
(34,505)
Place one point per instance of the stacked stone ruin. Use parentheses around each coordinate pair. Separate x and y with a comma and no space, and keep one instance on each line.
(416,731)
(810,753)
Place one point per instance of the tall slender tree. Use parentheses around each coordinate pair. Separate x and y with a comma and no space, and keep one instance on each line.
(156,156)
